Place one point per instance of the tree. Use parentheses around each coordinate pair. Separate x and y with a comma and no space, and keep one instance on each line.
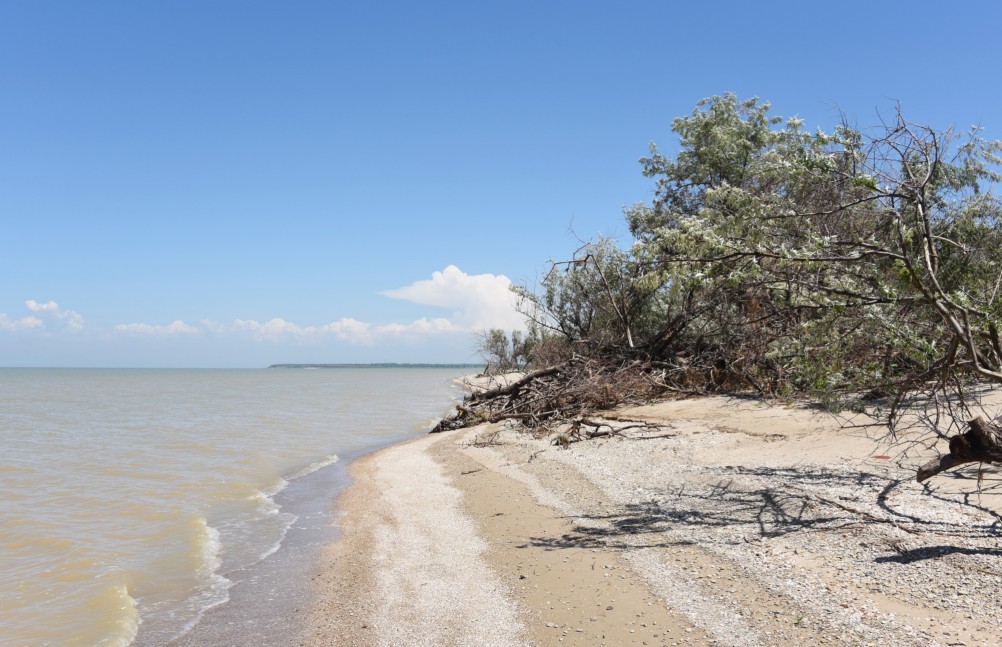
(502,353)
(601,295)
(847,264)
(850,265)
(859,267)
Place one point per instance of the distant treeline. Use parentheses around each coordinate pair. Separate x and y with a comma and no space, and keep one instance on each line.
(382,365)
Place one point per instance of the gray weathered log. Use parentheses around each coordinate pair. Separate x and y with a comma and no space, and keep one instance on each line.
(508,389)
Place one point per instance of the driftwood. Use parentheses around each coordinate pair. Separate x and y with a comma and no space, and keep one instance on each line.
(582,428)
(512,389)
(474,411)
(544,399)
(981,444)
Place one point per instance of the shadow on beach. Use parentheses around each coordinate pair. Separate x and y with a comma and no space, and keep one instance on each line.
(742,505)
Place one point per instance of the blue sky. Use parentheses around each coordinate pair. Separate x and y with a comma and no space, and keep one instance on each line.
(246,183)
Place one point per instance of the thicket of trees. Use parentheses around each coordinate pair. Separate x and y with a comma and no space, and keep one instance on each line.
(860,267)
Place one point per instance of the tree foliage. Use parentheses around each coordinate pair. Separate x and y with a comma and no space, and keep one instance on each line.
(501,352)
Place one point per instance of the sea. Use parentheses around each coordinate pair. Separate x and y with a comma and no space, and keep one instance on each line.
(136,505)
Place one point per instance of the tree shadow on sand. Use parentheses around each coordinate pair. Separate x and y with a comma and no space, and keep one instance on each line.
(735,505)
(934,552)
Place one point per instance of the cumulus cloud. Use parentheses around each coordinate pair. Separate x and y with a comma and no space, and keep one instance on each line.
(348,329)
(174,328)
(35,306)
(24,323)
(422,326)
(271,329)
(477,301)
(344,329)
(74,321)
(43,313)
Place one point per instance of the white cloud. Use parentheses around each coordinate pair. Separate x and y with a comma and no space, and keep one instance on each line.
(478,301)
(344,329)
(24,323)
(214,326)
(271,329)
(74,320)
(174,328)
(348,329)
(418,327)
(35,306)
(42,313)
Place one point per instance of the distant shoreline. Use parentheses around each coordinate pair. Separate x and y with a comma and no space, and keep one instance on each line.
(379,365)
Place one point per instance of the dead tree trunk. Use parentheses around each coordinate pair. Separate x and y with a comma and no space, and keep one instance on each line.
(513,388)
(982,444)
(471,411)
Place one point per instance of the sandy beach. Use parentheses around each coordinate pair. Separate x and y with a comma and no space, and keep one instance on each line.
(733,523)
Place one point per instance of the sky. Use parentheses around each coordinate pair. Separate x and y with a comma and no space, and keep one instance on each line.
(237,184)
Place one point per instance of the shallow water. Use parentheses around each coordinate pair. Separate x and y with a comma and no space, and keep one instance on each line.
(130,498)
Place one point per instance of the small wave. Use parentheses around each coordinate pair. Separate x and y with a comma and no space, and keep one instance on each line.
(314,466)
(268,508)
(275,487)
(266,505)
(217,588)
(210,546)
(271,550)
(128,623)
(211,560)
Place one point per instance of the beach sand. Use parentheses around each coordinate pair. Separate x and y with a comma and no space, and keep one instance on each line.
(734,523)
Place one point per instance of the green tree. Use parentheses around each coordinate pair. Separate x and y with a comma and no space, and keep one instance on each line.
(836,259)
(859,266)
(601,295)
(503,352)
(845,263)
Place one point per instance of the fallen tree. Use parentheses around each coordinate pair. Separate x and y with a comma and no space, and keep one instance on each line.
(544,399)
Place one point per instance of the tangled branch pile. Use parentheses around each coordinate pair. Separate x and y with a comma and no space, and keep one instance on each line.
(546,398)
